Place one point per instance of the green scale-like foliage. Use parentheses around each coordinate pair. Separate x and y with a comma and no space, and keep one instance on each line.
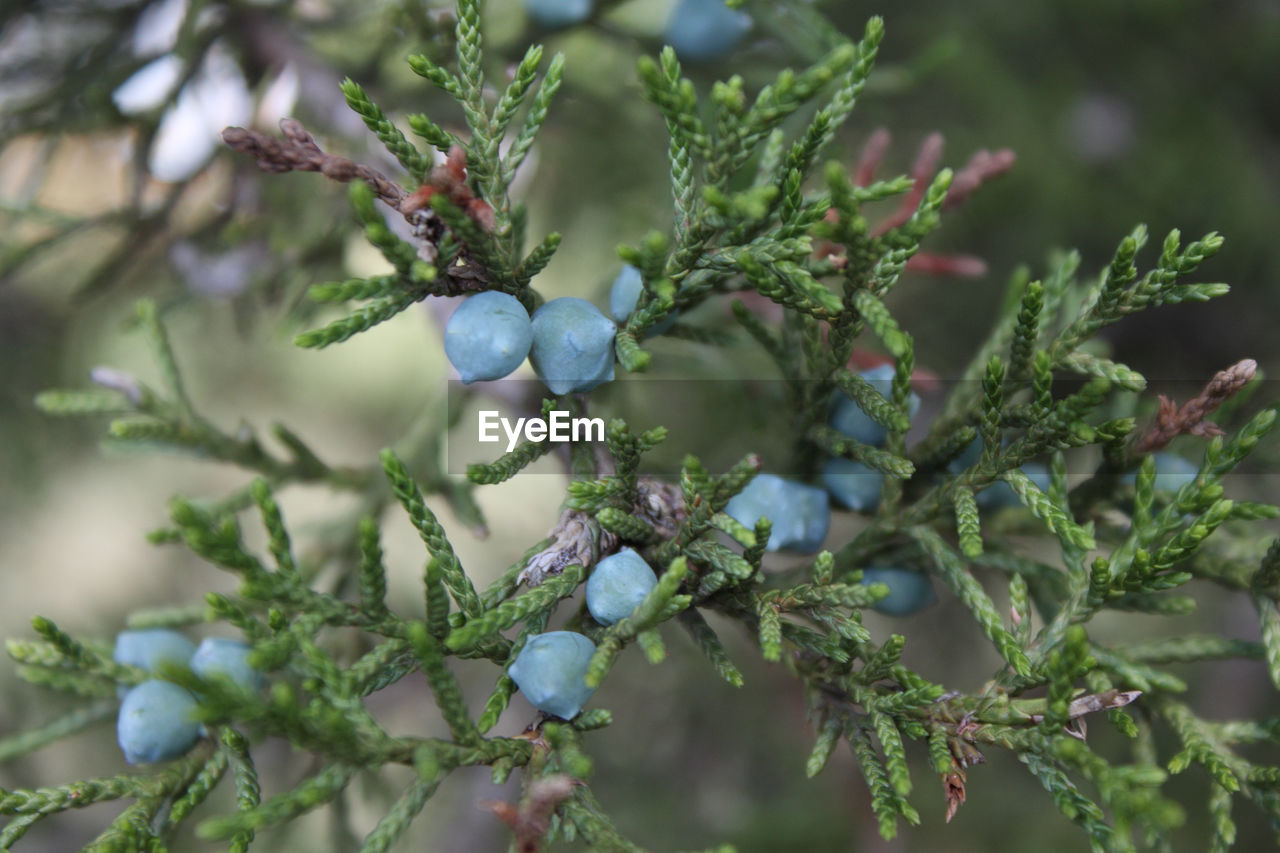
(751,198)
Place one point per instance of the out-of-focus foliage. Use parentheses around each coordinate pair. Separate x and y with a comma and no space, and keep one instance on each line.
(1095,98)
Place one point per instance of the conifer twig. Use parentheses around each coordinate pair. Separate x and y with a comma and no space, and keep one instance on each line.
(297,151)
(1190,418)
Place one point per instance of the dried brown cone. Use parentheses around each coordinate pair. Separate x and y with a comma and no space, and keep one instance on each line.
(953,789)
(1191,418)
(297,151)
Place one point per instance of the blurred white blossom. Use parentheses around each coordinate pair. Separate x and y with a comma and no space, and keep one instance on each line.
(217,276)
(149,87)
(279,98)
(190,130)
(158,27)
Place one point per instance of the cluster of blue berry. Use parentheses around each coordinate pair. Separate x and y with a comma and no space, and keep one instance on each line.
(699,30)
(570,344)
(157,718)
(575,354)
(801,513)
(551,668)
(851,483)
(568,341)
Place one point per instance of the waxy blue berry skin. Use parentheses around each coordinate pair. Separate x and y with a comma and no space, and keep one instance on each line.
(488,336)
(1000,494)
(229,658)
(847,416)
(625,295)
(908,591)
(555,14)
(149,648)
(853,484)
(800,514)
(702,30)
(572,345)
(551,672)
(617,585)
(156,723)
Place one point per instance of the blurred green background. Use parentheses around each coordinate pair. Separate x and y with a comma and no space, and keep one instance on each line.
(1162,112)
